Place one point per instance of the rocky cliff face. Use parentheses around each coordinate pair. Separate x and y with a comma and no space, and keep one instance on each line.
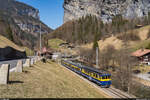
(105,9)
(14,7)
(23,20)
(29,12)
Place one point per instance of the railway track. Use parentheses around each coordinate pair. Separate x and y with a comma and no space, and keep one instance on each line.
(117,93)
(109,92)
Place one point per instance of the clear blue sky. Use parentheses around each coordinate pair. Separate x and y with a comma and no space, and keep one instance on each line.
(51,11)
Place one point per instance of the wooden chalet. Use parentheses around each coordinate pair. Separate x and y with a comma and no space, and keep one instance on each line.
(143,55)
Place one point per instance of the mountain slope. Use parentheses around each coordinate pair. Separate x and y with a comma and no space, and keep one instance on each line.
(4,42)
(23,21)
(9,50)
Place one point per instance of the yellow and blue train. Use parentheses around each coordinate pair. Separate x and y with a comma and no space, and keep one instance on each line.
(101,78)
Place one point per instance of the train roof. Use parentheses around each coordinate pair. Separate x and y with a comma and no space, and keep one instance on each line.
(89,68)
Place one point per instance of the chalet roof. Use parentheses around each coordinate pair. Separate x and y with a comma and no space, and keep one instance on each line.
(140,52)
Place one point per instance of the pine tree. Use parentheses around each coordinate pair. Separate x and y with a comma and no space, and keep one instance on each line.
(95,45)
(9,33)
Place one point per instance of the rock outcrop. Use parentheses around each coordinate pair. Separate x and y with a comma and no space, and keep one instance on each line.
(105,9)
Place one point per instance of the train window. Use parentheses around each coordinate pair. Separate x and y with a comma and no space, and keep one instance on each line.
(103,77)
(109,77)
(100,77)
(96,75)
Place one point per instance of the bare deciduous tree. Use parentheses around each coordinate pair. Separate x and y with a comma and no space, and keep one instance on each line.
(86,55)
(125,63)
(107,57)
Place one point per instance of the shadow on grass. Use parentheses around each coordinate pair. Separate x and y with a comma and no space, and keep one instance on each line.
(15,82)
(32,66)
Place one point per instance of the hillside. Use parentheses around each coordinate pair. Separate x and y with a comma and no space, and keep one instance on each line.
(4,42)
(142,33)
(21,22)
(9,50)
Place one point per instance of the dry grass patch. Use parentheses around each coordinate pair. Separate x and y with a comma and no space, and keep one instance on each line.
(140,34)
(108,41)
(47,81)
(4,42)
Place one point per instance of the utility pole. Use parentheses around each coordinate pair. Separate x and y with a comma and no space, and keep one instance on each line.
(97,65)
(40,39)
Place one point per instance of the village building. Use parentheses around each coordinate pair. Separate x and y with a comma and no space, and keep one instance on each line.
(143,56)
(45,52)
